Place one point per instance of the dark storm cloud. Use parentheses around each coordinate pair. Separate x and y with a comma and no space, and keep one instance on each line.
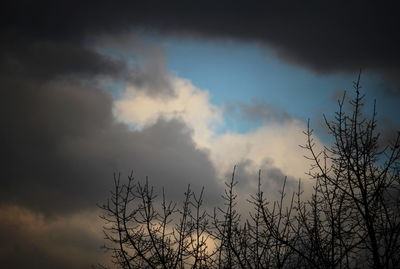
(23,58)
(60,145)
(325,36)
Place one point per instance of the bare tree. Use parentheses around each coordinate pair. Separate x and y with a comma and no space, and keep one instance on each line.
(351,220)
(358,183)
(144,234)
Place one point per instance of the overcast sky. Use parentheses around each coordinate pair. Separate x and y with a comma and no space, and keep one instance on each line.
(179,91)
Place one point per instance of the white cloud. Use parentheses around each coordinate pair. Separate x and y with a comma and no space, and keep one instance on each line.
(188,103)
(278,143)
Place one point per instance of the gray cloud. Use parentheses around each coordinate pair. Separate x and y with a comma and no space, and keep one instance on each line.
(388,132)
(146,63)
(153,77)
(257,111)
(260,111)
(272,179)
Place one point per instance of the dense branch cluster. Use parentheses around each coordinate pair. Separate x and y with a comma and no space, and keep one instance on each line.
(352,219)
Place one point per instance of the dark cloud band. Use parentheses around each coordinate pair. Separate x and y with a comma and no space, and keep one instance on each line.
(324,36)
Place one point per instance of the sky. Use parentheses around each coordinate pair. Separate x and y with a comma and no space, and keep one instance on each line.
(178,91)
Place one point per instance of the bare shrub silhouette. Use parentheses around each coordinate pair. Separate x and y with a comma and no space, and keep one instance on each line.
(352,219)
(144,234)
